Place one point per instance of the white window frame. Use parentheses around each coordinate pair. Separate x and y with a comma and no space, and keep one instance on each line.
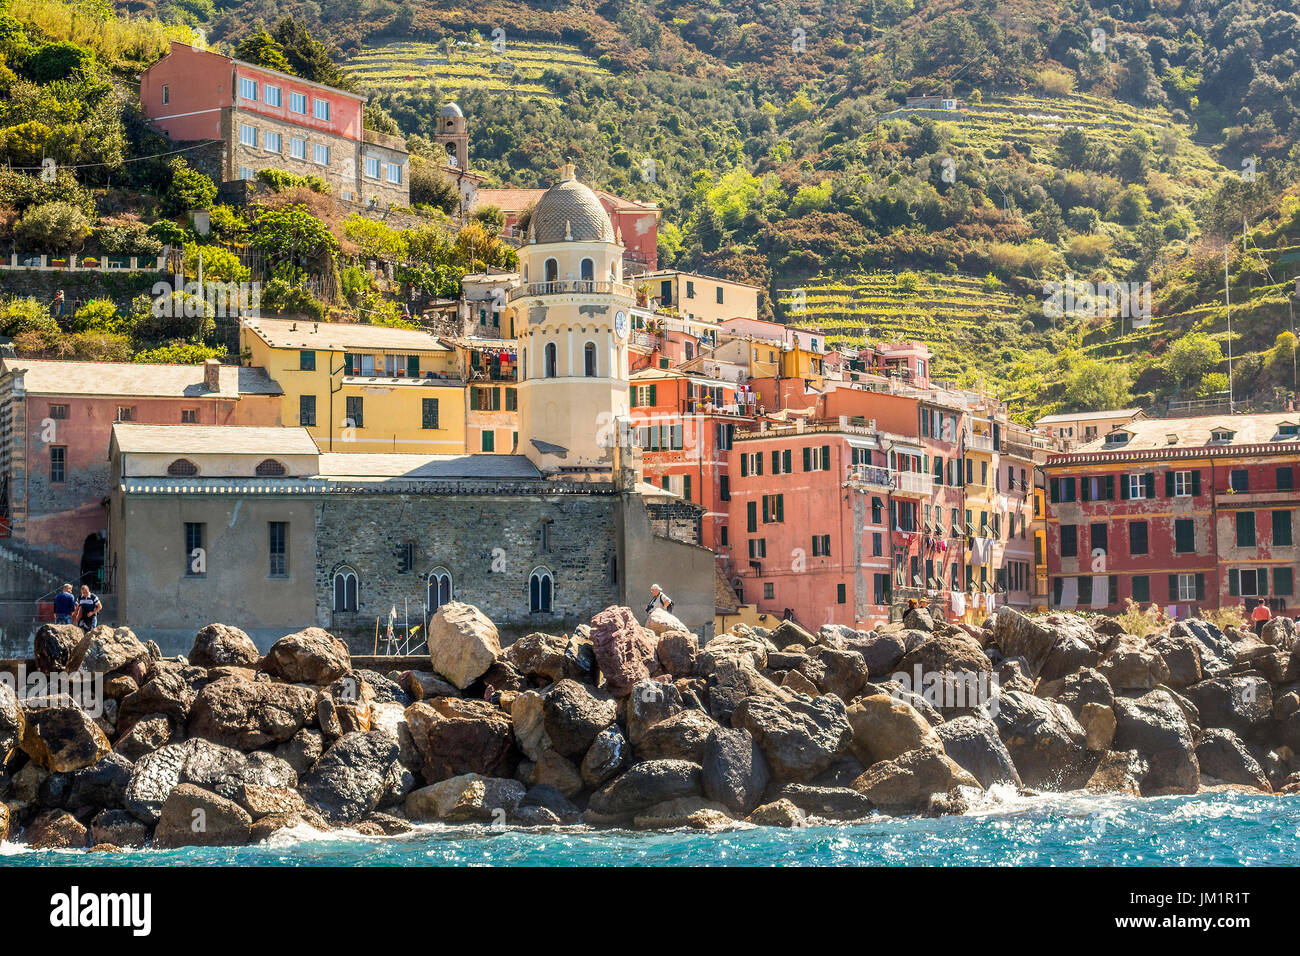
(166,94)
(1186,587)
(246,172)
(247,135)
(372,167)
(316,152)
(294,100)
(1137,486)
(270,95)
(320,109)
(1182,484)
(395,174)
(297,148)
(1242,576)
(268,138)
(248,88)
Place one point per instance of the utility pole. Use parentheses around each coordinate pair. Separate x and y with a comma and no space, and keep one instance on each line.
(1227,297)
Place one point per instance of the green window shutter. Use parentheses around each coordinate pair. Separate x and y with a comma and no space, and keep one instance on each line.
(413,366)
(512,400)
(347,363)
(767,509)
(786,455)
(776,462)
(1173,587)
(826,457)
(758,463)
(1262,578)
(1234,582)
(1150,483)
(474,402)
(780,510)
(751,514)
(807,459)
(1196,482)
(653,393)
(1200,587)
(1055,489)
(1110,489)
(744,466)
(1169,484)
(1123,487)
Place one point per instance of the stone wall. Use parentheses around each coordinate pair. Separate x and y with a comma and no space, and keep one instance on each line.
(490,544)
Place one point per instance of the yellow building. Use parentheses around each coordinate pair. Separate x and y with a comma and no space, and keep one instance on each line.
(701,297)
(798,362)
(362,388)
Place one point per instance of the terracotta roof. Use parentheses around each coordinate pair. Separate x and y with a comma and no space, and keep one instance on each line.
(509,200)
(213,440)
(136,379)
(1155,433)
(340,336)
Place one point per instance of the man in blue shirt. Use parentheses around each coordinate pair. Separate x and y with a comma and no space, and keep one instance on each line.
(64,604)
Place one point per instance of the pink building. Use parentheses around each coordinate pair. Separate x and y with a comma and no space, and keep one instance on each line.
(263,118)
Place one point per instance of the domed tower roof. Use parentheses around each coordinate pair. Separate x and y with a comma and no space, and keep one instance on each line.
(451,109)
(570,211)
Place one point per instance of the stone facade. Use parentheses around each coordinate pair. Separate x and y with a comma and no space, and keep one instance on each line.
(491,544)
(345,171)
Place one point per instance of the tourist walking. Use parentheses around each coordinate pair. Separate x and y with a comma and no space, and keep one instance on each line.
(64,605)
(88,608)
(659,600)
(1260,616)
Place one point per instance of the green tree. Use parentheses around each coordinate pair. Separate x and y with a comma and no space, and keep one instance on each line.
(1093,385)
(53,227)
(262,49)
(189,189)
(294,236)
(1190,357)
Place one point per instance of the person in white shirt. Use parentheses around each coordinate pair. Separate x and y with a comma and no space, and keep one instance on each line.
(658,599)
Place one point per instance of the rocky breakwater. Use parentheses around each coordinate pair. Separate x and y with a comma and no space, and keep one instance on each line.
(620,724)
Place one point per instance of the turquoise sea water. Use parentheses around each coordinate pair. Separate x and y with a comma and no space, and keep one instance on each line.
(1052,830)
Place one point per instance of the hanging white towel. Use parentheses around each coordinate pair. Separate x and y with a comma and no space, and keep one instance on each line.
(990,602)
(1069,592)
(958,603)
(1100,590)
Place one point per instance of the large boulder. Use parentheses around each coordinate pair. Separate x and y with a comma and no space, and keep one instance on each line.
(1222,756)
(455,736)
(224,770)
(731,647)
(1182,655)
(55,647)
(251,714)
(220,645)
(799,737)
(551,658)
(1053,646)
(528,720)
(1045,741)
(661,622)
(881,651)
(736,679)
(345,707)
(351,777)
(650,702)
(573,717)
(842,673)
(170,690)
(118,828)
(100,786)
(1119,771)
(106,649)
(906,783)
(1239,702)
(885,727)
(830,803)
(465,798)
(778,813)
(735,773)
(143,735)
(1219,651)
(310,656)
(301,750)
(55,830)
(463,643)
(643,785)
(609,753)
(1087,686)
(1131,664)
(951,670)
(63,739)
(12,722)
(973,742)
(625,651)
(677,652)
(192,816)
(559,772)
(153,777)
(1155,726)
(681,736)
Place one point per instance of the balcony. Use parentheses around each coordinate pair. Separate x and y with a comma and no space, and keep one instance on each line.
(975,442)
(570,287)
(903,483)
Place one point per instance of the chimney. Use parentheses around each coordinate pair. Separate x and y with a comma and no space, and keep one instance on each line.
(211,375)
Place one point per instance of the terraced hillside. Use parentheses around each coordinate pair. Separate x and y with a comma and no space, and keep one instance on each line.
(455,65)
(960,317)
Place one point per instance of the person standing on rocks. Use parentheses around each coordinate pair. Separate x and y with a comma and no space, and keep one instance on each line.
(88,608)
(1259,617)
(659,600)
(64,605)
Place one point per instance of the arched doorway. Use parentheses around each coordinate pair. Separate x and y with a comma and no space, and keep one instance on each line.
(92,561)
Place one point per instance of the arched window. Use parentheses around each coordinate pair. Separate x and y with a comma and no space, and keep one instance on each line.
(589,359)
(552,270)
(588,270)
(182,468)
(541,587)
(345,589)
(439,583)
(550,360)
(269,468)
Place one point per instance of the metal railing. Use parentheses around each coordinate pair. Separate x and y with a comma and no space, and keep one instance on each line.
(905,482)
(570,287)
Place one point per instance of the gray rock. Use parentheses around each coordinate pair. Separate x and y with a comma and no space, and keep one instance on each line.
(349,780)
(973,742)
(798,737)
(1156,727)
(573,717)
(645,784)
(1044,739)
(735,772)
(831,803)
(609,753)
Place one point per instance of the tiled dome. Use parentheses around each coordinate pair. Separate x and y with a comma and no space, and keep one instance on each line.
(451,109)
(570,211)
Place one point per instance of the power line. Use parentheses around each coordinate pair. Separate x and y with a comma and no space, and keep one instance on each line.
(132,159)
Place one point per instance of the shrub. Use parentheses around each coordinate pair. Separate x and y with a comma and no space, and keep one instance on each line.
(1225,617)
(167,232)
(189,189)
(127,239)
(97,315)
(101,346)
(1136,620)
(57,61)
(53,227)
(178,353)
(19,315)
(279,180)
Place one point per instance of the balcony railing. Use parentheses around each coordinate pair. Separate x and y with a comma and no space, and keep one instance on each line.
(570,287)
(975,442)
(914,483)
(902,482)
